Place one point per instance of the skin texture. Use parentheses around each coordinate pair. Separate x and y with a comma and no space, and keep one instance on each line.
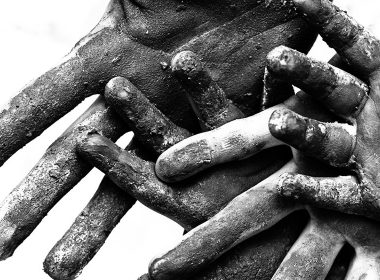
(358,148)
(188,203)
(229,227)
(136,40)
(314,252)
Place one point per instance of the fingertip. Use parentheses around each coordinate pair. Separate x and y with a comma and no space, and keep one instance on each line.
(280,59)
(119,89)
(184,160)
(285,123)
(98,149)
(186,63)
(58,267)
(114,84)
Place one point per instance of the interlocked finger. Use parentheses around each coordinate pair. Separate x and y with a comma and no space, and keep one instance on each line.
(248,214)
(342,93)
(360,48)
(236,140)
(207,98)
(55,174)
(153,129)
(331,142)
(337,193)
(109,204)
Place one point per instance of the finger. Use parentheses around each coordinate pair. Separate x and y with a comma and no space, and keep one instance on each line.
(133,174)
(39,105)
(55,93)
(275,90)
(190,202)
(340,31)
(153,129)
(248,214)
(207,98)
(341,193)
(54,175)
(365,266)
(238,139)
(91,229)
(331,142)
(339,91)
(312,256)
(89,232)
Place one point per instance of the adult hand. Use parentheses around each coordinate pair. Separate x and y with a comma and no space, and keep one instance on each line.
(135,39)
(352,145)
(194,201)
(344,95)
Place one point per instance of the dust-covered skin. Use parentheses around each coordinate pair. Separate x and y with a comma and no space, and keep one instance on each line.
(212,106)
(352,146)
(261,207)
(188,203)
(134,40)
(137,40)
(249,214)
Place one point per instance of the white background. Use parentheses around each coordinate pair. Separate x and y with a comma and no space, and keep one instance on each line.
(34,36)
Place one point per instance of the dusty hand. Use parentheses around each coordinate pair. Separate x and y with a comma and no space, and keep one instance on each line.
(194,201)
(136,41)
(342,93)
(353,145)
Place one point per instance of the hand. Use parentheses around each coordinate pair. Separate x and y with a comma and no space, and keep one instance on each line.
(352,145)
(100,57)
(315,251)
(190,202)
